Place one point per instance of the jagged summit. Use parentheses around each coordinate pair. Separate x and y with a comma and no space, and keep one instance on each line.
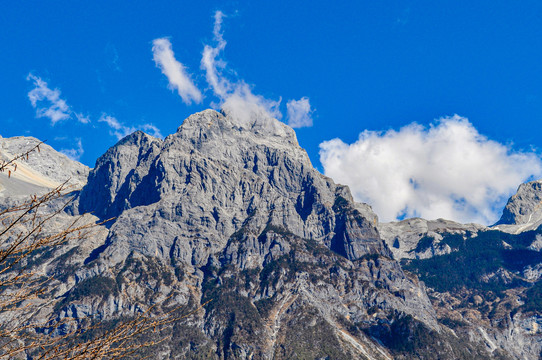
(264,125)
(209,128)
(213,177)
(121,167)
(136,138)
(523,210)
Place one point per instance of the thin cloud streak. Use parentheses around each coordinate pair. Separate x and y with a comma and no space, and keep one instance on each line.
(75,153)
(236,97)
(213,65)
(84,119)
(56,108)
(175,72)
(49,104)
(120,130)
(448,170)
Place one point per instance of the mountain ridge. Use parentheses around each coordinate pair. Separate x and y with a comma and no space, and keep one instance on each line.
(291,264)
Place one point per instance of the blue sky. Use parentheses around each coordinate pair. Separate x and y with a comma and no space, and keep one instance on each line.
(373,65)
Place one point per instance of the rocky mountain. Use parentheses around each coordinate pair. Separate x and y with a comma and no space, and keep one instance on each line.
(523,211)
(286,264)
(477,275)
(45,169)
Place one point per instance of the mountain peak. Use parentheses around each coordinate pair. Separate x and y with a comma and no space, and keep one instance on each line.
(233,212)
(214,177)
(212,122)
(136,138)
(523,210)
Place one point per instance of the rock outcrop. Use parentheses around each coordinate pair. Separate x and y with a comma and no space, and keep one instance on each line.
(238,216)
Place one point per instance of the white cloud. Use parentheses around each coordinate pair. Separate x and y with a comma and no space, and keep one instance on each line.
(151,130)
(448,170)
(117,129)
(120,130)
(299,113)
(176,73)
(85,119)
(48,102)
(236,97)
(76,153)
(57,108)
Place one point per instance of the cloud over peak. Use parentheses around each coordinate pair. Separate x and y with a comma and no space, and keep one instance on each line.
(119,130)
(176,73)
(448,170)
(74,153)
(236,97)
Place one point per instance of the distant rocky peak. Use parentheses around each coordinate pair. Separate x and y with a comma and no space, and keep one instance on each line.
(524,209)
(138,138)
(41,170)
(130,146)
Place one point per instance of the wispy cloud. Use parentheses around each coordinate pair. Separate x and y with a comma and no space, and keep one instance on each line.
(49,104)
(113,56)
(236,97)
(85,119)
(212,64)
(448,170)
(55,108)
(176,73)
(75,153)
(299,113)
(120,130)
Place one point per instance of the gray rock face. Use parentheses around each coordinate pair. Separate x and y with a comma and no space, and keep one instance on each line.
(192,191)
(117,174)
(533,273)
(525,206)
(524,209)
(43,170)
(241,212)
